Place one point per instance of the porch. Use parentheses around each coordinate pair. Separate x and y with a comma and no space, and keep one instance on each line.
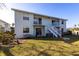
(39,30)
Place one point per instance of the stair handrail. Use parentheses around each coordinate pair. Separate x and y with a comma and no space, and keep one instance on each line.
(56,31)
(53,32)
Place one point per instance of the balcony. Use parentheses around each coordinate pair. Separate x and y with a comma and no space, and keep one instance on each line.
(56,24)
(37,23)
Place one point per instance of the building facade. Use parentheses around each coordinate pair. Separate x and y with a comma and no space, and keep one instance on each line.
(4,26)
(33,24)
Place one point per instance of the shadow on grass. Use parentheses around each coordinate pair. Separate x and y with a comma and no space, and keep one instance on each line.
(6,51)
(73,38)
(44,38)
(44,53)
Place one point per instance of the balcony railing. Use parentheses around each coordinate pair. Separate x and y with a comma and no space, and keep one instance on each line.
(37,22)
(57,24)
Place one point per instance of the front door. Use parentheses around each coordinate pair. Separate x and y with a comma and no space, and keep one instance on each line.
(38,31)
(62,31)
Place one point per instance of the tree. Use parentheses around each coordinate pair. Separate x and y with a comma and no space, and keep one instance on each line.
(13,24)
(2,6)
(12,28)
(75,25)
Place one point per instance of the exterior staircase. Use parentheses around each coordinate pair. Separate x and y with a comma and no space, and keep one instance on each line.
(54,31)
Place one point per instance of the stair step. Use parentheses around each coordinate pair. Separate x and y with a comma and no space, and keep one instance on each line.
(54,32)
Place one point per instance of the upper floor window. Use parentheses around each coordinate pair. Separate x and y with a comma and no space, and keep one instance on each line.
(40,20)
(25,30)
(35,18)
(25,18)
(62,22)
(53,21)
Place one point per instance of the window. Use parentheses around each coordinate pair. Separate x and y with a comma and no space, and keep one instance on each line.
(62,22)
(53,21)
(2,29)
(35,18)
(40,21)
(25,18)
(25,30)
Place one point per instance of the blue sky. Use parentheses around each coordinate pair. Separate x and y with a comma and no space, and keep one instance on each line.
(62,10)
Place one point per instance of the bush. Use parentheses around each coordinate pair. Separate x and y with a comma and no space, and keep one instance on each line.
(6,37)
(68,33)
(49,35)
(1,37)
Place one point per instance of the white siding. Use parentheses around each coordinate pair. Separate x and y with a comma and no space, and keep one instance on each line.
(5,25)
(28,23)
(48,23)
(63,25)
(20,24)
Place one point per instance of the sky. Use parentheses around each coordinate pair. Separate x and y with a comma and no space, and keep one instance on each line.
(69,11)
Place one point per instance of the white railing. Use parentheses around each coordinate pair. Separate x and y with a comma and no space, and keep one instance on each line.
(54,31)
(56,24)
(36,22)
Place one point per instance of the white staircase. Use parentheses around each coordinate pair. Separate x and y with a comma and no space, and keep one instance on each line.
(54,31)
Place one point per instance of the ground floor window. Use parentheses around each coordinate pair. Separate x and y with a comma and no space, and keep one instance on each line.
(2,29)
(25,30)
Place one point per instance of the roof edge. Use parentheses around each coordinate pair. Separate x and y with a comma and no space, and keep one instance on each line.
(38,14)
(4,21)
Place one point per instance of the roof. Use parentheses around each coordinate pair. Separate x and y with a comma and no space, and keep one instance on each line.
(38,14)
(4,22)
(76,29)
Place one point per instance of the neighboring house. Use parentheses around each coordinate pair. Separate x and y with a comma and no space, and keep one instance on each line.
(75,31)
(29,23)
(4,26)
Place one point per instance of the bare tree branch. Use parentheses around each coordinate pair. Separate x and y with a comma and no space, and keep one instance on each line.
(2,6)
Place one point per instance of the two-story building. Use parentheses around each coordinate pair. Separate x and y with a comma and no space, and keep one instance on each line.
(33,24)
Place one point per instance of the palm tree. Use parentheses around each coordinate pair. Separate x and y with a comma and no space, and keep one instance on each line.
(75,25)
(13,24)
(12,28)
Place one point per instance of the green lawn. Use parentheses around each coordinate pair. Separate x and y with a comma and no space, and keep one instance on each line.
(32,47)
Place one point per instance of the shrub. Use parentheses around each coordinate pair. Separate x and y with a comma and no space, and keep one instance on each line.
(6,37)
(68,33)
(1,37)
(49,35)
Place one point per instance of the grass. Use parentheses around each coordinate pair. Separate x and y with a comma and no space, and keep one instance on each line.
(32,47)
(5,51)
(46,48)
(2,53)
